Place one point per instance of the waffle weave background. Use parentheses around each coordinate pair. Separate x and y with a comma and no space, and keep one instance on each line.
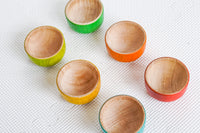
(29,99)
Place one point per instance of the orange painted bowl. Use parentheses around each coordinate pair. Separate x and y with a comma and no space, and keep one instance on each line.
(125,41)
(122,113)
(78,81)
(166,79)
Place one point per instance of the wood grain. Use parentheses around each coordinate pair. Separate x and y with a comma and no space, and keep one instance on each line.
(167,75)
(77,78)
(125,37)
(83,11)
(122,114)
(43,42)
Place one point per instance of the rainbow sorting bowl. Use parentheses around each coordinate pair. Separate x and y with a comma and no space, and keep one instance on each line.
(125,41)
(78,81)
(166,79)
(45,45)
(84,16)
(122,113)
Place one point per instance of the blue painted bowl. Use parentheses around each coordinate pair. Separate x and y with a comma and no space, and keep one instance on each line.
(122,113)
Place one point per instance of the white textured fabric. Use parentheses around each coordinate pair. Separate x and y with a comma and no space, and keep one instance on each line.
(29,99)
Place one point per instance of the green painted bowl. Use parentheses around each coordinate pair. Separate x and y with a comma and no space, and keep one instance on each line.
(122,113)
(45,45)
(84,16)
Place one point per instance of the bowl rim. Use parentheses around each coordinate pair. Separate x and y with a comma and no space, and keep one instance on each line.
(144,112)
(88,23)
(86,94)
(167,94)
(45,26)
(125,21)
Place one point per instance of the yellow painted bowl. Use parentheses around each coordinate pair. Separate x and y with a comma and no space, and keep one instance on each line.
(78,81)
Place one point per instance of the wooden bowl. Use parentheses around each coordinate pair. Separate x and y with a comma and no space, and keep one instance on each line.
(78,81)
(84,16)
(45,45)
(122,113)
(125,41)
(166,79)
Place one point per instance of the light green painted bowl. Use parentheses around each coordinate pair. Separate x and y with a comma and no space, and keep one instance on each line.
(84,16)
(45,45)
(122,113)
